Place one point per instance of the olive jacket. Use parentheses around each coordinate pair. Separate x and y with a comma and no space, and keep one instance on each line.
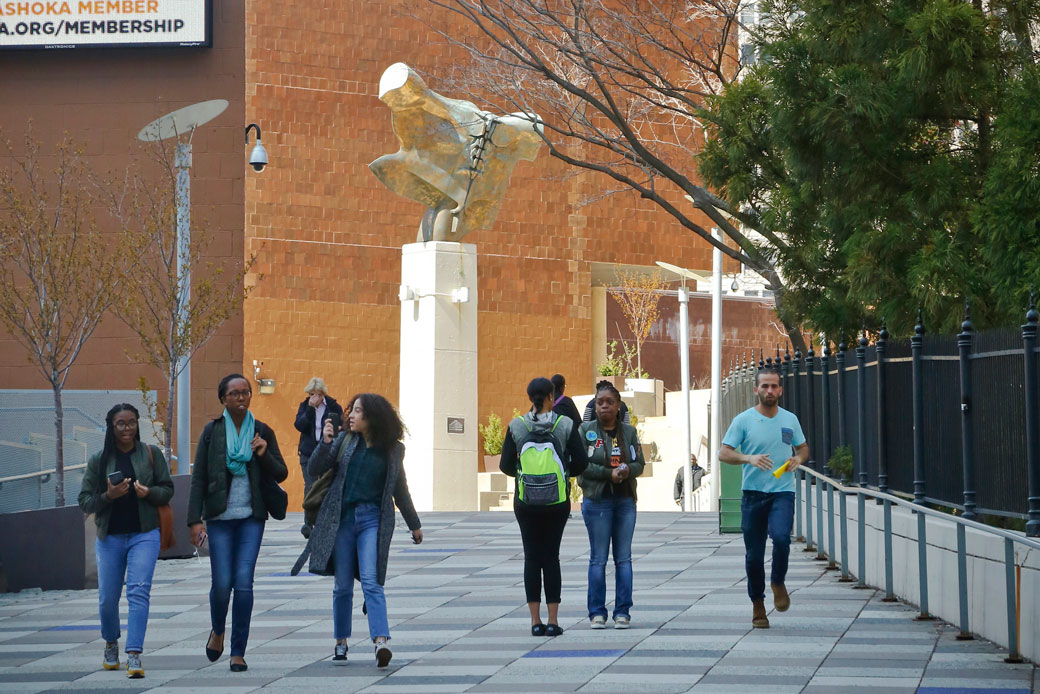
(596,477)
(210,479)
(157,478)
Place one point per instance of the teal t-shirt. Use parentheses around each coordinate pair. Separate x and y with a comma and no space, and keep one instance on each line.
(752,433)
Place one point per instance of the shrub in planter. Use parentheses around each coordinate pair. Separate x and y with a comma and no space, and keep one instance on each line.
(840,464)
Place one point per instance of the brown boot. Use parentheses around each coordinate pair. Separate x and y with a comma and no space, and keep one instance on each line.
(781,600)
(758,616)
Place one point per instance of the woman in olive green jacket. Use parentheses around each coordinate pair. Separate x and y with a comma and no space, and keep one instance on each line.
(122,487)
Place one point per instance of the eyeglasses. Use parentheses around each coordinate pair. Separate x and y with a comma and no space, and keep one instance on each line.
(238,394)
(123,426)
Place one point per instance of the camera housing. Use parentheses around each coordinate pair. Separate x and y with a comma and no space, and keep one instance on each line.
(258,157)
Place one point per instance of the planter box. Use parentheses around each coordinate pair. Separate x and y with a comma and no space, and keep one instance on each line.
(51,549)
(489,463)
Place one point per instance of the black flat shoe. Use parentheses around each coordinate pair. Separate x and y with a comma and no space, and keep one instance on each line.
(553,630)
(537,630)
(239,667)
(211,653)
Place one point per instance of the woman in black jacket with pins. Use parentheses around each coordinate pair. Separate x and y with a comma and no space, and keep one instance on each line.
(542,501)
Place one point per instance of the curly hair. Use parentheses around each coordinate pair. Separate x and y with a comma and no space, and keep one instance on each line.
(385,427)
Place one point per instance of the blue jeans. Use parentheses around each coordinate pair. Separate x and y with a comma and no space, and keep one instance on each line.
(762,514)
(357,547)
(130,557)
(233,548)
(610,521)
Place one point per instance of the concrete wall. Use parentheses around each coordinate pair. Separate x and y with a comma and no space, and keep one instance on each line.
(986,575)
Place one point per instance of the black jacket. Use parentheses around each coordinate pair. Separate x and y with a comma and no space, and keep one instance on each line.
(305,423)
(567,408)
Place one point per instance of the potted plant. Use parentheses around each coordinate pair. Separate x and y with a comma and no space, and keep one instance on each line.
(493,433)
(840,464)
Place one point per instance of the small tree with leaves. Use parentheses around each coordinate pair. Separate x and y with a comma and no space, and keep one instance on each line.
(59,271)
(171,323)
(638,295)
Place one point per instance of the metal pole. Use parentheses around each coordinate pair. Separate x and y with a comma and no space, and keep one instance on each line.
(843,439)
(684,368)
(808,514)
(1029,332)
(810,405)
(798,536)
(842,505)
(820,549)
(825,392)
(1012,602)
(962,582)
(715,433)
(882,460)
(861,400)
(182,161)
(861,522)
(922,564)
(967,433)
(916,345)
(830,527)
(890,596)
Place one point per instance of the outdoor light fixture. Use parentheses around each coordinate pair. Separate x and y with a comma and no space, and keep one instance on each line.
(457,296)
(735,286)
(258,157)
(266,385)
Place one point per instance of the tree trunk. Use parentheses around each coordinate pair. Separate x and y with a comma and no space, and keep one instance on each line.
(59,452)
(171,401)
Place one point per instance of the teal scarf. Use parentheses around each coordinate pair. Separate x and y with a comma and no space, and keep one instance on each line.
(239,452)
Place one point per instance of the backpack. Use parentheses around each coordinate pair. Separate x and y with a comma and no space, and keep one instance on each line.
(541,478)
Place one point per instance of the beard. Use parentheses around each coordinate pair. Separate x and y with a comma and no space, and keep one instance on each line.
(768,400)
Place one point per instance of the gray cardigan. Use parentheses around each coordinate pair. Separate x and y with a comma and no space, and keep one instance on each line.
(323,536)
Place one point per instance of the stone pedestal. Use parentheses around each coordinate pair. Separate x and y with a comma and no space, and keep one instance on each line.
(438,392)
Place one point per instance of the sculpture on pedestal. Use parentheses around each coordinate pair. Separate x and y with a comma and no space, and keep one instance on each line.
(454,158)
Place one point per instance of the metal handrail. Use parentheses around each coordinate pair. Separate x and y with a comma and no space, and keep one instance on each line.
(41,473)
(862,493)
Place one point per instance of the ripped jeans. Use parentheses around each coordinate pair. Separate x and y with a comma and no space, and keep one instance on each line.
(128,558)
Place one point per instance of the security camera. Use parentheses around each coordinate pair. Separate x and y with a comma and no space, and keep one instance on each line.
(258,157)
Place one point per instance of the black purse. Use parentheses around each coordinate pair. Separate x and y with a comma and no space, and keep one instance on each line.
(276,501)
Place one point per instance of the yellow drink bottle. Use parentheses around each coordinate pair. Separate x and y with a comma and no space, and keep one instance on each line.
(781,470)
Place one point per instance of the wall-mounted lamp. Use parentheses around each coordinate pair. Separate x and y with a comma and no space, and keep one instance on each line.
(265,385)
(458,296)
(735,286)
(258,157)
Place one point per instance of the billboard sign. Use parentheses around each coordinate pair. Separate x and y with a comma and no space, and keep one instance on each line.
(44,24)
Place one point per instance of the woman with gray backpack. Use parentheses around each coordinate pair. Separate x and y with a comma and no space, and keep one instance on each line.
(542,451)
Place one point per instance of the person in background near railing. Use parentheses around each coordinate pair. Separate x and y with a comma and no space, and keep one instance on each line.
(563,404)
(696,473)
(768,437)
(541,450)
(234,451)
(609,505)
(317,407)
(122,486)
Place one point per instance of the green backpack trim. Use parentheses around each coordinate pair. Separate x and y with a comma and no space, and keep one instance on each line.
(541,478)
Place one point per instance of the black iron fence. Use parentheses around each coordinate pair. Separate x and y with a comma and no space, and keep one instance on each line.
(947,419)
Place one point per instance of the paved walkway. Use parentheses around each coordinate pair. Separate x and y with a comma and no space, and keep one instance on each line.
(459,624)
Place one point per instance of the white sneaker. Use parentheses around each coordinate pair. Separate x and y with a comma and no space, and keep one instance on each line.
(622,621)
(383,654)
(339,655)
(598,622)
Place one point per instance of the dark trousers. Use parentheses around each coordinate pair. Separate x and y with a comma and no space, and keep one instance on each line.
(766,514)
(307,479)
(541,529)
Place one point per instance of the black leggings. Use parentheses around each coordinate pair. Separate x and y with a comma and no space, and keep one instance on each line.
(541,528)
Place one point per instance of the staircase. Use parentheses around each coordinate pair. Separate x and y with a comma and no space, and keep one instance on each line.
(495,491)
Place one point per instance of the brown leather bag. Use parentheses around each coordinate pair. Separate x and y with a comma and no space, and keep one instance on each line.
(166,538)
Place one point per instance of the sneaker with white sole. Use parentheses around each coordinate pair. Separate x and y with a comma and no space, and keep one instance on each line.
(598,622)
(622,621)
(110,660)
(339,655)
(134,669)
(383,654)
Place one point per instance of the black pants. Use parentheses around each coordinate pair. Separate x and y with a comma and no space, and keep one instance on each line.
(541,528)
(307,479)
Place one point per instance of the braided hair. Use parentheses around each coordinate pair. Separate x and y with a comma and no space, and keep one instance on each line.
(606,385)
(110,429)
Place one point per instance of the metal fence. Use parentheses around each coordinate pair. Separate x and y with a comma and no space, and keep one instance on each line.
(28,446)
(947,419)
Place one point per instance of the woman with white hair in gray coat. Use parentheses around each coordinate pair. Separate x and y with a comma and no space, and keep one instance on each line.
(354,526)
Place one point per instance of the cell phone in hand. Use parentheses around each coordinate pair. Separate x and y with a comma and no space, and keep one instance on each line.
(114,478)
(337,421)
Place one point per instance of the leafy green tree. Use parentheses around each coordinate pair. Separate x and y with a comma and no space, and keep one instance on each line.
(892,145)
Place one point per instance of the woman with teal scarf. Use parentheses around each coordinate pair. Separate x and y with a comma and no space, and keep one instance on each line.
(235,451)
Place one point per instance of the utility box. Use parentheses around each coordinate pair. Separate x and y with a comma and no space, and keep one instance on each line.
(730,483)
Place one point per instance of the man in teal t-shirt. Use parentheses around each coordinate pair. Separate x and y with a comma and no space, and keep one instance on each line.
(767,437)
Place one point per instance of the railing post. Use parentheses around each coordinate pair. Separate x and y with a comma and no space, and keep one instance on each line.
(916,346)
(890,595)
(844,518)
(1012,602)
(789,382)
(882,459)
(861,509)
(810,406)
(922,564)
(796,390)
(861,400)
(826,403)
(962,582)
(967,433)
(830,528)
(798,507)
(820,550)
(1029,332)
(843,439)
(808,514)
